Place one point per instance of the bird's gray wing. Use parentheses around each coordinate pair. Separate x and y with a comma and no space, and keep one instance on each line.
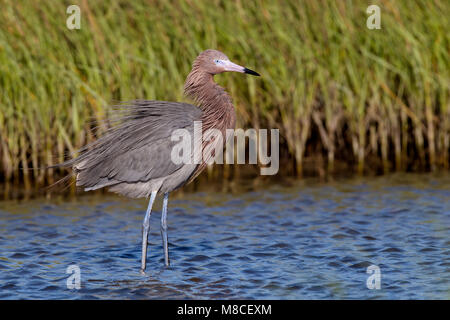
(138,148)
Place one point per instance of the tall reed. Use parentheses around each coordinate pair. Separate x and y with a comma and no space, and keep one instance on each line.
(334,88)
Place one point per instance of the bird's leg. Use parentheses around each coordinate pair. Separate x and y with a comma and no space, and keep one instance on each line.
(164,229)
(145,229)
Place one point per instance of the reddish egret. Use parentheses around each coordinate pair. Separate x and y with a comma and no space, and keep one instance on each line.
(134,157)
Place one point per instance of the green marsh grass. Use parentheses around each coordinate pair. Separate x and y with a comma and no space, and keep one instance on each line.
(338,92)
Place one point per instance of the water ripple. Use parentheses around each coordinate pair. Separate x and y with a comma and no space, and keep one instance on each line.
(297,242)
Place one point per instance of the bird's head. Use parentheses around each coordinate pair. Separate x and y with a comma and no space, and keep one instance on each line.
(214,62)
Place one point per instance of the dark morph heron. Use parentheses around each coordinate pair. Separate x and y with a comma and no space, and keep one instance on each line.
(134,158)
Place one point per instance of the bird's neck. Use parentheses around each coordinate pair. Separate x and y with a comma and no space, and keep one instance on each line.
(216,104)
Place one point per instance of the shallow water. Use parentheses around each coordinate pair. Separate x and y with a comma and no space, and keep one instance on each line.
(307,240)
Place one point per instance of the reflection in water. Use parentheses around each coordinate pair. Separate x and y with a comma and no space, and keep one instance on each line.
(303,241)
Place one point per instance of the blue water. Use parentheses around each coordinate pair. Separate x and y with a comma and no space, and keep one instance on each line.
(302,240)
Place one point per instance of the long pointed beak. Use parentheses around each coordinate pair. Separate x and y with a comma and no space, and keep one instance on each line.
(230,66)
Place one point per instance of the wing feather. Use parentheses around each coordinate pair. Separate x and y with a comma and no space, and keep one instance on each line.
(138,147)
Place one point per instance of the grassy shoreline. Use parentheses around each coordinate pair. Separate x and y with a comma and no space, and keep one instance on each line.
(377,100)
